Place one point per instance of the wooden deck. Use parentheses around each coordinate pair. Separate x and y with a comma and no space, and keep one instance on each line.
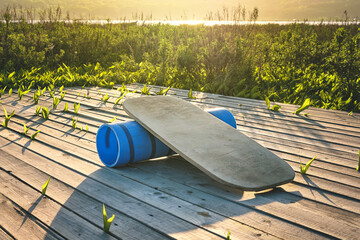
(168,198)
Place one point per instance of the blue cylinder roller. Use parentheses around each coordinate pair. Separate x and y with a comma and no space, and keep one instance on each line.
(119,144)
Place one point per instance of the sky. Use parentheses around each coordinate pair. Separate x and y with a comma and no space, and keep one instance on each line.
(197,9)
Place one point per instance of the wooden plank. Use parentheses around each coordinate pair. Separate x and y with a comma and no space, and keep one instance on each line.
(89,208)
(20,224)
(118,200)
(47,211)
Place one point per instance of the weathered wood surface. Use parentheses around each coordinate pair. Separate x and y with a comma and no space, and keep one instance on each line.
(169,198)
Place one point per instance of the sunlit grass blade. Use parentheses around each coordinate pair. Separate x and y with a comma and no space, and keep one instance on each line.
(87,128)
(145,90)
(7,118)
(35,135)
(267,102)
(76,107)
(303,169)
(44,187)
(228,236)
(113,119)
(45,113)
(358,167)
(107,222)
(118,100)
(190,94)
(37,110)
(66,107)
(61,88)
(105,98)
(275,108)
(36,97)
(304,106)
(163,91)
(74,123)
(55,102)
(26,129)
(62,95)
(10,92)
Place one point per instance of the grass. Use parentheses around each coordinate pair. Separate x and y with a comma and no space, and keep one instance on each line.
(7,118)
(145,90)
(303,169)
(358,167)
(56,102)
(44,187)
(163,91)
(74,123)
(105,98)
(37,110)
(62,95)
(36,96)
(76,108)
(190,94)
(21,93)
(26,129)
(228,236)
(304,106)
(32,137)
(45,113)
(107,221)
(66,107)
(112,120)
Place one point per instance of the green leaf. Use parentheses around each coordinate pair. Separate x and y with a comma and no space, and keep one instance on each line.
(10,92)
(118,100)
(358,167)
(267,102)
(87,128)
(107,222)
(190,94)
(303,170)
(228,236)
(350,113)
(26,129)
(304,106)
(11,75)
(44,187)
(163,91)
(113,119)
(61,88)
(275,108)
(35,135)
(74,123)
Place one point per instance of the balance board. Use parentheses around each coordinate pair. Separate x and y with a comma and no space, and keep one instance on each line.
(211,145)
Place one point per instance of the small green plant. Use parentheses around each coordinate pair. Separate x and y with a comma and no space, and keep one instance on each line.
(81,128)
(87,128)
(350,113)
(228,236)
(190,94)
(145,90)
(2,91)
(105,98)
(76,108)
(62,95)
(37,110)
(45,113)
(7,118)
(163,91)
(26,129)
(123,89)
(113,119)
(10,92)
(56,102)
(22,93)
(107,222)
(74,123)
(52,94)
(78,95)
(118,100)
(275,108)
(358,167)
(44,187)
(36,97)
(61,88)
(34,135)
(43,91)
(267,102)
(66,107)
(303,169)
(304,106)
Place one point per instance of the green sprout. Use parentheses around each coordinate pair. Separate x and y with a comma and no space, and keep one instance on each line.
(228,236)
(304,106)
(61,88)
(52,94)
(45,113)
(113,119)
(10,92)
(105,98)
(2,91)
(267,102)
(358,167)
(22,93)
(55,102)
(74,123)
(62,95)
(350,113)
(123,89)
(107,222)
(43,91)
(163,91)
(37,110)
(44,187)
(66,107)
(145,90)
(36,97)
(76,108)
(26,129)
(275,108)
(7,118)
(190,94)
(34,135)
(118,100)
(303,169)
(87,128)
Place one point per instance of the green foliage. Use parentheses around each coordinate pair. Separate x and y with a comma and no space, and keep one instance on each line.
(21,93)
(76,108)
(26,129)
(118,100)
(304,106)
(10,92)
(74,123)
(37,110)
(190,94)
(105,98)
(36,96)
(44,187)
(163,91)
(66,107)
(7,118)
(112,120)
(228,236)
(56,102)
(32,137)
(267,102)
(62,95)
(87,128)
(45,113)
(145,90)
(275,108)
(107,222)
(303,169)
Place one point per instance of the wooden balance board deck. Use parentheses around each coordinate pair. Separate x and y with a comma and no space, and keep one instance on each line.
(213,146)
